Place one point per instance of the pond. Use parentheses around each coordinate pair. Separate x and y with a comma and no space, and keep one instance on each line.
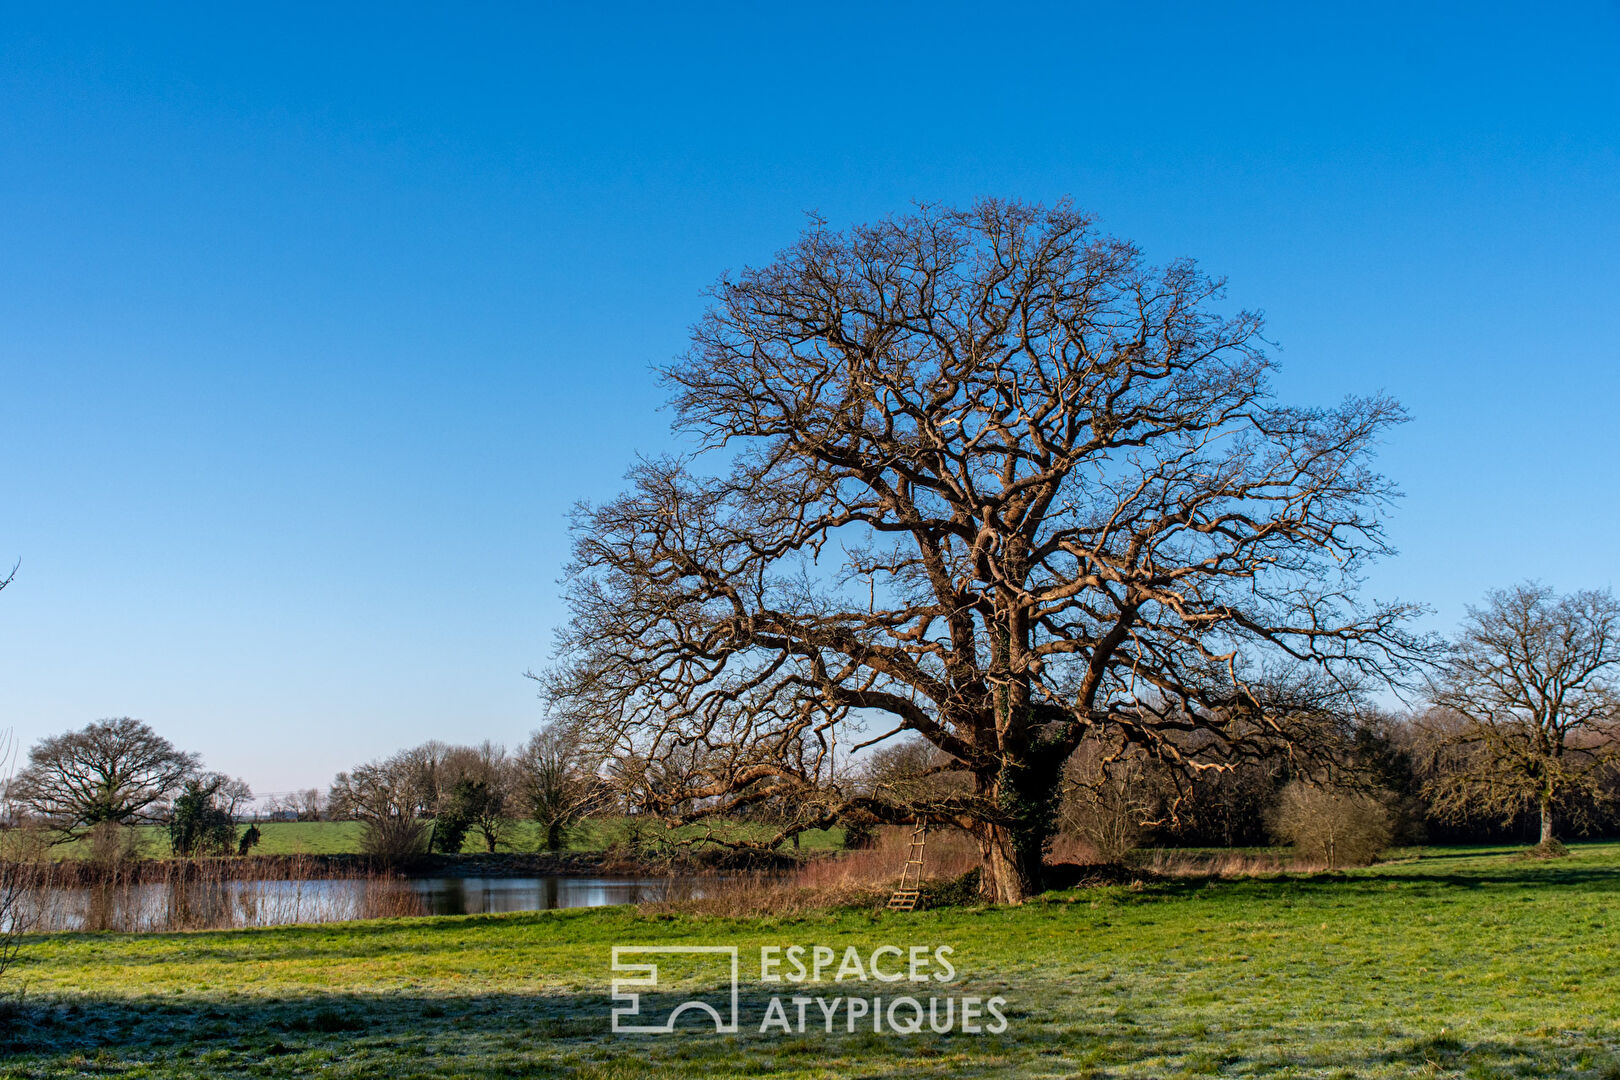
(222,904)
(482,896)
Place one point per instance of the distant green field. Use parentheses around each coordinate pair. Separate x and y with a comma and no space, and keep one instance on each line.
(343,837)
(1471,963)
(307,837)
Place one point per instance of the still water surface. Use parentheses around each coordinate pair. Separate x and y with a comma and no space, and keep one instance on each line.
(202,905)
(479,896)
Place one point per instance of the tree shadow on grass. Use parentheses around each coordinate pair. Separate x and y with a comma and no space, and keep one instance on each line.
(1529,874)
(1585,879)
(402,1035)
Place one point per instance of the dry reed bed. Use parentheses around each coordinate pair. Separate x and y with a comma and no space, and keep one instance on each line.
(864,877)
(1222,864)
(205,894)
(867,877)
(81,872)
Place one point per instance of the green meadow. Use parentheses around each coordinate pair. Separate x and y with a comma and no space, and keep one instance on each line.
(1448,963)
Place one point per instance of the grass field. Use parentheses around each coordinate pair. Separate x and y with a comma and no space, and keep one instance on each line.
(343,837)
(1469,963)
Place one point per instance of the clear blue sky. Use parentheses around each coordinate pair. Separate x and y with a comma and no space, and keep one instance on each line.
(314,322)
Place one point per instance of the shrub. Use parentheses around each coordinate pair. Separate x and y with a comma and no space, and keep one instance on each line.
(1548,849)
(393,838)
(957,892)
(455,818)
(1331,825)
(199,825)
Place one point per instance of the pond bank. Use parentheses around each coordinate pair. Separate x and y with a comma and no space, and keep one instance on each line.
(501,864)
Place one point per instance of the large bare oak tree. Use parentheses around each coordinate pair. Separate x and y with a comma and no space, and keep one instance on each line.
(1528,704)
(986,476)
(117,770)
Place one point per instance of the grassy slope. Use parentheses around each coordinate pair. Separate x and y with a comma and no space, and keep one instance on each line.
(1463,963)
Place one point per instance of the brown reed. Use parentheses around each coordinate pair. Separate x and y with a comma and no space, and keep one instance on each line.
(134,895)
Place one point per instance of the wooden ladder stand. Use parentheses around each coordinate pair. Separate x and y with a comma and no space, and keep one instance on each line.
(910,891)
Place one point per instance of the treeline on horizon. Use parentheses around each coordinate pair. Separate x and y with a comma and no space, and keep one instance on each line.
(1516,734)
(1404,768)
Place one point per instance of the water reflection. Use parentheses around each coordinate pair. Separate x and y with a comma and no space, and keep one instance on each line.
(214,904)
(480,896)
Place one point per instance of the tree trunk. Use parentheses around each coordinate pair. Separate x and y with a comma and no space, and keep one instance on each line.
(1547,836)
(1013,847)
(1008,875)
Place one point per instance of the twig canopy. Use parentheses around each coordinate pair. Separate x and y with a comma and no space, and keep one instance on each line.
(1527,705)
(117,770)
(986,476)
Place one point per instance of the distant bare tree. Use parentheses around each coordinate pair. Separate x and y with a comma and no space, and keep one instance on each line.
(1110,798)
(1332,824)
(481,779)
(230,793)
(309,804)
(985,476)
(386,798)
(555,782)
(420,772)
(117,770)
(1527,704)
(457,788)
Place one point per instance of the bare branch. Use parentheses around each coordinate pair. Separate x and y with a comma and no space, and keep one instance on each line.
(985,476)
